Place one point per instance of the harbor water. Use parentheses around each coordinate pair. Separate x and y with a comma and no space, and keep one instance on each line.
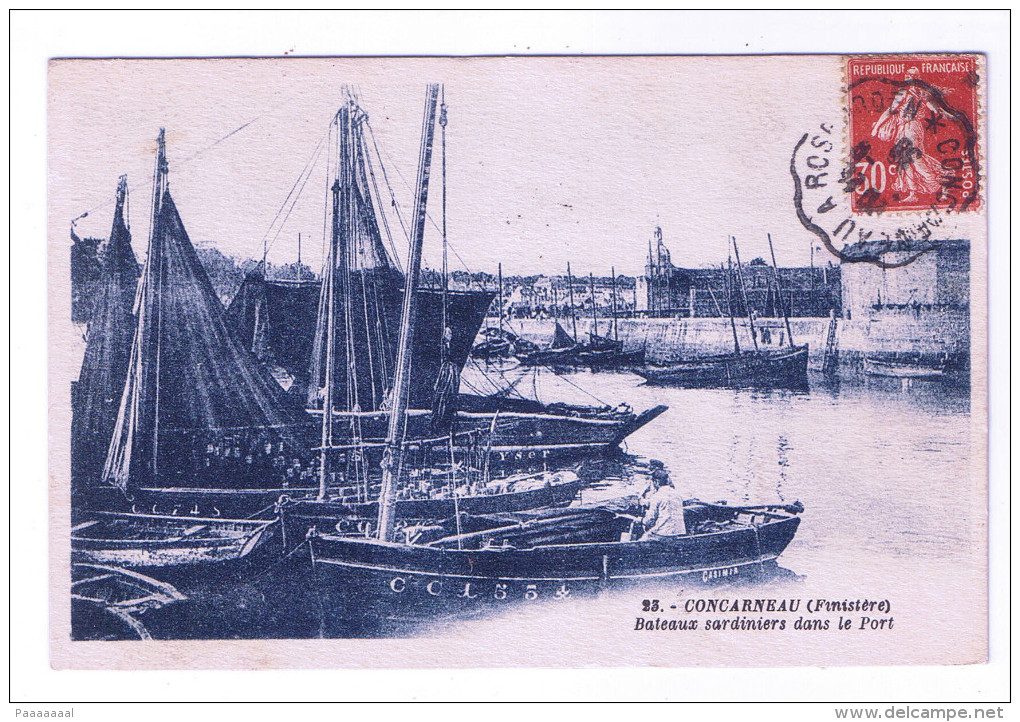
(886,474)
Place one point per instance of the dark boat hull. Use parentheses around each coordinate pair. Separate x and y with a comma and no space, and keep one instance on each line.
(510,440)
(750,369)
(596,359)
(417,580)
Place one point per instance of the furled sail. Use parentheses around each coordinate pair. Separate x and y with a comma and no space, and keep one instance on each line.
(197,408)
(368,293)
(104,367)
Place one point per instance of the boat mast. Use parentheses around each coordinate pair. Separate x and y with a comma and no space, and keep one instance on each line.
(727,277)
(501,300)
(779,293)
(743,294)
(446,282)
(616,327)
(159,187)
(398,412)
(570,288)
(327,405)
(594,313)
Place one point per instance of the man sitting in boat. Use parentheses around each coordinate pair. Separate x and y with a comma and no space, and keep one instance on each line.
(664,516)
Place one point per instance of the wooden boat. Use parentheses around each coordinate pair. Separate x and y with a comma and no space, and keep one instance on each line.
(152,540)
(545,555)
(511,494)
(906,366)
(783,368)
(598,353)
(758,368)
(108,602)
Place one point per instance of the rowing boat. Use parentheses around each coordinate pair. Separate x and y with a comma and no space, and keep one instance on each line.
(156,540)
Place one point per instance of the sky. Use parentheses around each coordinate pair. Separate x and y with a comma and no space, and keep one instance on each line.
(549,160)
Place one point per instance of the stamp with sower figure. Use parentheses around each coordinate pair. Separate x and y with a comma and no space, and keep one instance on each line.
(913,140)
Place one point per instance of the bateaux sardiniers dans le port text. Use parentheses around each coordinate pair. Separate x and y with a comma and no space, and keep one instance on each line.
(740,607)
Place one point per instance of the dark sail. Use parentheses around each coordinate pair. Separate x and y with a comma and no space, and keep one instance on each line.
(110,330)
(368,290)
(197,408)
(561,339)
(276,320)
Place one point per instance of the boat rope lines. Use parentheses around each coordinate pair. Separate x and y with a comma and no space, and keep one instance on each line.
(178,164)
(291,199)
(396,207)
(216,143)
(561,375)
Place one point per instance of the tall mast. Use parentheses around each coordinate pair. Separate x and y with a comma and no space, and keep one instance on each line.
(500,300)
(727,277)
(743,294)
(779,293)
(159,187)
(299,256)
(398,412)
(327,405)
(594,312)
(616,327)
(446,282)
(570,288)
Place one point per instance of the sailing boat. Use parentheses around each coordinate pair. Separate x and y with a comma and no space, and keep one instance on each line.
(751,368)
(572,546)
(111,326)
(346,486)
(200,423)
(597,353)
(285,323)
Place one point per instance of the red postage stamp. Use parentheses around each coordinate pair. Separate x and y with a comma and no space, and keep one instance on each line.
(913,135)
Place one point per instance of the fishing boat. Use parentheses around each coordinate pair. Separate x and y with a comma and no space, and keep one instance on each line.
(197,411)
(425,496)
(907,366)
(476,561)
(108,602)
(155,540)
(782,368)
(598,353)
(284,324)
(507,494)
(96,394)
(757,367)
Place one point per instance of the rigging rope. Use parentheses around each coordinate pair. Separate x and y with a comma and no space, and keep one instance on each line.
(579,388)
(305,173)
(397,207)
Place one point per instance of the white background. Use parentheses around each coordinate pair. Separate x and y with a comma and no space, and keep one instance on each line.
(35,37)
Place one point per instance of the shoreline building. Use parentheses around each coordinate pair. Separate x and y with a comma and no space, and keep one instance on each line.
(910,300)
(668,290)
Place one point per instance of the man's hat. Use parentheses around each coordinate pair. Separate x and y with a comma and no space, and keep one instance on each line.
(655,464)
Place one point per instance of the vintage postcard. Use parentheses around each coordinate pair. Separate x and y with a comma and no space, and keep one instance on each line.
(528,361)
